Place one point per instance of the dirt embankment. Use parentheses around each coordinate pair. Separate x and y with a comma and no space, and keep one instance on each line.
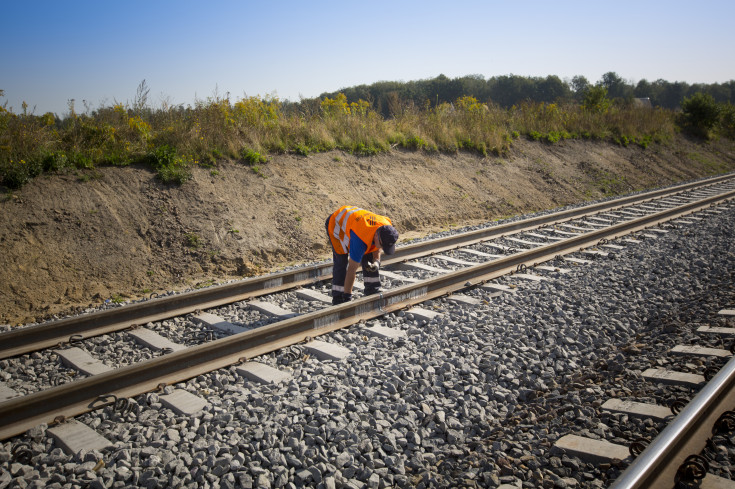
(71,241)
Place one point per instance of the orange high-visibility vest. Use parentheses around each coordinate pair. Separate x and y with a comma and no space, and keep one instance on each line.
(350,218)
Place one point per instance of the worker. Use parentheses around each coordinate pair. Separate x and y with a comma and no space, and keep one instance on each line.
(357,238)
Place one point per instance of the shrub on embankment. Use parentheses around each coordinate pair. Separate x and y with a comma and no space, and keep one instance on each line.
(171,139)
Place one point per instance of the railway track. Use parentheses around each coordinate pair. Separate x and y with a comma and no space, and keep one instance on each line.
(510,249)
(33,338)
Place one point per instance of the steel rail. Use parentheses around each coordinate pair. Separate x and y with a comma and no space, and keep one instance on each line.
(45,335)
(687,434)
(440,245)
(20,414)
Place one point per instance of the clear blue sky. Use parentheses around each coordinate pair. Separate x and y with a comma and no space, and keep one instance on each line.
(99,51)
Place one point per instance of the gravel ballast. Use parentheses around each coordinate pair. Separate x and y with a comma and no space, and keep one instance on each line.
(475,397)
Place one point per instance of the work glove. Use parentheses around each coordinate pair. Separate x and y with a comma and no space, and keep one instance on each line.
(372,266)
(346,297)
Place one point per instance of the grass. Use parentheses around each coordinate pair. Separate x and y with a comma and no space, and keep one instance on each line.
(712,166)
(193,241)
(610,184)
(543,168)
(205,284)
(171,140)
(259,171)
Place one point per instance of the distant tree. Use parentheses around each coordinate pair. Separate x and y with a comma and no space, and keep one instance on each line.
(671,94)
(730,85)
(511,90)
(393,104)
(579,86)
(441,90)
(616,86)
(551,89)
(475,86)
(720,92)
(643,89)
(384,94)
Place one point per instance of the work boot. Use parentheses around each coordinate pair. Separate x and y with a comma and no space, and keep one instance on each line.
(372,290)
(340,298)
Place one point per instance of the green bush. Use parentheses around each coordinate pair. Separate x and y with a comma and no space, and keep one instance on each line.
(163,156)
(556,136)
(15,174)
(252,157)
(362,149)
(170,168)
(302,150)
(622,141)
(414,142)
(80,160)
(56,161)
(727,120)
(117,158)
(700,113)
(644,141)
(596,101)
(177,174)
(470,145)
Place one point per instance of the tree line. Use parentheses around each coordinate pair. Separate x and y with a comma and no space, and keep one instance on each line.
(506,91)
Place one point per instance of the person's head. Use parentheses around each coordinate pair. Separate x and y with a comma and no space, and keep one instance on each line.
(387,237)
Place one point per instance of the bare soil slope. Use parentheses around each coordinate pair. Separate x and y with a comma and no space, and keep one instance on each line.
(69,241)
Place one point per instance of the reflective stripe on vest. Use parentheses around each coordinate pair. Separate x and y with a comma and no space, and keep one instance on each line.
(340,226)
(349,218)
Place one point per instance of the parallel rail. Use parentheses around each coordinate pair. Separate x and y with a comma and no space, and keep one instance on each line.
(25,340)
(18,415)
(657,465)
